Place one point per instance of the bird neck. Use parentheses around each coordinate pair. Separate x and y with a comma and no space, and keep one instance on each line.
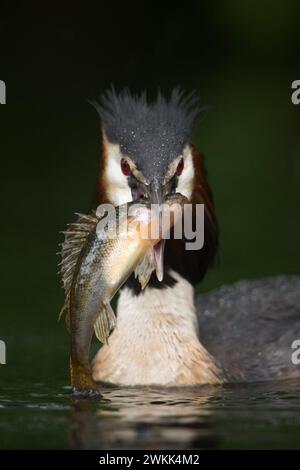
(171,307)
(156,340)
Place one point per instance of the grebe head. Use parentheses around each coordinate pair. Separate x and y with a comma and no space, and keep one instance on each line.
(148,153)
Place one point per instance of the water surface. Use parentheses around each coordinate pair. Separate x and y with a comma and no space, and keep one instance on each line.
(45,416)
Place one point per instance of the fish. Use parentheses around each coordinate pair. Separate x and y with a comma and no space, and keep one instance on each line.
(98,255)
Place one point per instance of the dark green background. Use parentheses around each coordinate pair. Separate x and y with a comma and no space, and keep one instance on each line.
(241,57)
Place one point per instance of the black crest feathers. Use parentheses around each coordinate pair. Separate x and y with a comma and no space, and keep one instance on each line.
(152,134)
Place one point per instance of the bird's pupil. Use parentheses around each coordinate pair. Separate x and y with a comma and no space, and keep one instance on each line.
(125,167)
(180,167)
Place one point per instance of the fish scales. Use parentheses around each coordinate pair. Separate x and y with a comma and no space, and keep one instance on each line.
(95,264)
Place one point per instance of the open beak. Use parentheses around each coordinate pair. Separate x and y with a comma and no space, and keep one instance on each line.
(158,251)
(157,195)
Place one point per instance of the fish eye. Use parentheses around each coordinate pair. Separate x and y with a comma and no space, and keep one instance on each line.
(125,167)
(180,167)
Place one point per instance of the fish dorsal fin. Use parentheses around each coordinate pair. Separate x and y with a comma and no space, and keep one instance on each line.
(75,238)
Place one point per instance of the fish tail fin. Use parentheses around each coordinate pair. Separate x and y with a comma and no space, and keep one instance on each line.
(82,380)
(105,323)
(145,268)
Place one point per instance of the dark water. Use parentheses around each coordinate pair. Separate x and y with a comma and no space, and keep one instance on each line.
(37,409)
(44,416)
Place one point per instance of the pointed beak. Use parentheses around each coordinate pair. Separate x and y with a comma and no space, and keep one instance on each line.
(156,192)
(157,196)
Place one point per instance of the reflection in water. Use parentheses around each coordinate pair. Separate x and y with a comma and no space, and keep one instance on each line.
(37,416)
(145,418)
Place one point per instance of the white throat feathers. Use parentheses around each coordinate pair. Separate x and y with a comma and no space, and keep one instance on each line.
(156,341)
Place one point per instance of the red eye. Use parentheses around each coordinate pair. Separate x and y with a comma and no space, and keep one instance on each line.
(180,167)
(125,167)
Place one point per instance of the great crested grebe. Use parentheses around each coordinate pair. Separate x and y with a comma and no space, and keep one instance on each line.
(164,336)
